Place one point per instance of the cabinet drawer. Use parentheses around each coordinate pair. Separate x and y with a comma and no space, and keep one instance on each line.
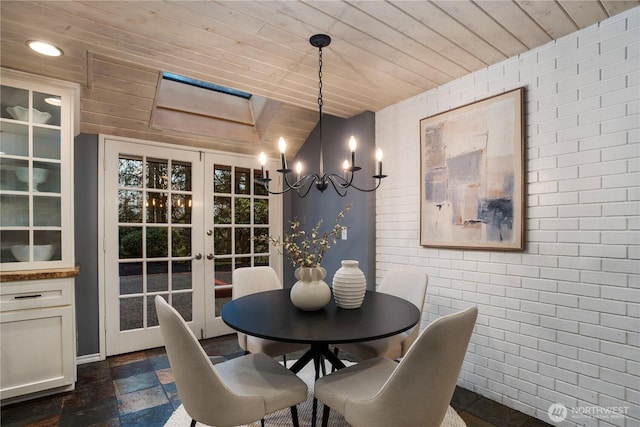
(36,294)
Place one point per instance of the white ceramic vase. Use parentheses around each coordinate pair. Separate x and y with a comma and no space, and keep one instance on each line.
(349,285)
(310,292)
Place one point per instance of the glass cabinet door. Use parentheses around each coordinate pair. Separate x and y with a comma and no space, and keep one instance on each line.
(32,177)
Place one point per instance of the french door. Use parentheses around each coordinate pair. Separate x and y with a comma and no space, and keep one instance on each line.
(237,209)
(176,224)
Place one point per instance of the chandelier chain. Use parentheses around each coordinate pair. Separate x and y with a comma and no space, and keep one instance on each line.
(320,102)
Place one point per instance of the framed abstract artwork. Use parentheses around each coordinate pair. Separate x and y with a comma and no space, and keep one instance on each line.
(472,189)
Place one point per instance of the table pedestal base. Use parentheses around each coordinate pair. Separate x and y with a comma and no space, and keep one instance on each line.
(318,352)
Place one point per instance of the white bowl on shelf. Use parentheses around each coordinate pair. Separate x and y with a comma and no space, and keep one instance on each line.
(40,175)
(21,113)
(40,252)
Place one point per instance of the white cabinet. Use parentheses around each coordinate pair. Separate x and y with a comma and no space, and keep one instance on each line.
(36,171)
(37,260)
(38,336)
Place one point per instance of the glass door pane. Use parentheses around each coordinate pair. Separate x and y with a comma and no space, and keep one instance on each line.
(31,183)
(154,215)
(240,212)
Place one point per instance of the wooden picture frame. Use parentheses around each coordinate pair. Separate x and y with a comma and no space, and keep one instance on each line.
(472,176)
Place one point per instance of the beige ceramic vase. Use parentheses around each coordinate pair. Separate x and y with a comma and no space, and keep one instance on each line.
(310,292)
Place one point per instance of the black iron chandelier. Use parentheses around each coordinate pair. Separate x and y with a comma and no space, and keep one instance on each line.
(303,184)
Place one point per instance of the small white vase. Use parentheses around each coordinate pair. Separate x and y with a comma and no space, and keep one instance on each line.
(349,285)
(310,292)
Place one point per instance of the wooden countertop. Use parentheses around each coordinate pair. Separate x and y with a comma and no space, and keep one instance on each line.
(53,273)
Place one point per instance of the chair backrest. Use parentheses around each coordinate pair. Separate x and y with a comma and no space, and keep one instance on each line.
(202,391)
(249,280)
(410,285)
(420,389)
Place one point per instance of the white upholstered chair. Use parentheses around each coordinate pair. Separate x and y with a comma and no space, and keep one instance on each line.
(403,283)
(415,392)
(249,280)
(238,391)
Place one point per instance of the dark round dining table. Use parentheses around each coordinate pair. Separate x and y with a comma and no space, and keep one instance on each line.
(273,316)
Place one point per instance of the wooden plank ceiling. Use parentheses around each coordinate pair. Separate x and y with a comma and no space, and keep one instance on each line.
(382,52)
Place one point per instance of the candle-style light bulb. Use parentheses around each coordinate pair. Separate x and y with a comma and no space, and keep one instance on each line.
(379,159)
(352,143)
(263,161)
(282,145)
(352,147)
(298,170)
(345,169)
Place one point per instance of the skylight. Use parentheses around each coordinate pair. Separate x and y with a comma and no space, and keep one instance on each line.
(204,85)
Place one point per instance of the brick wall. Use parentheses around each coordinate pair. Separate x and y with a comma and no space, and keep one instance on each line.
(559,322)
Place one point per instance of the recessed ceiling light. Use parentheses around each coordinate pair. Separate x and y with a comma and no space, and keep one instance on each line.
(44,48)
(53,101)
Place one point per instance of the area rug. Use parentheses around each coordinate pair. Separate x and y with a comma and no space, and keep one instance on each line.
(282,418)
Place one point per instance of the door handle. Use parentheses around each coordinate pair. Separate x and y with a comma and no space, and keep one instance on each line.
(198,256)
(209,256)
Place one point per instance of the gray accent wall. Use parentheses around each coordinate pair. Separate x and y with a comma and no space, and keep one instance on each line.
(86,243)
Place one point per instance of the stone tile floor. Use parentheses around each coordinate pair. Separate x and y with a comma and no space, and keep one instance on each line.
(137,390)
